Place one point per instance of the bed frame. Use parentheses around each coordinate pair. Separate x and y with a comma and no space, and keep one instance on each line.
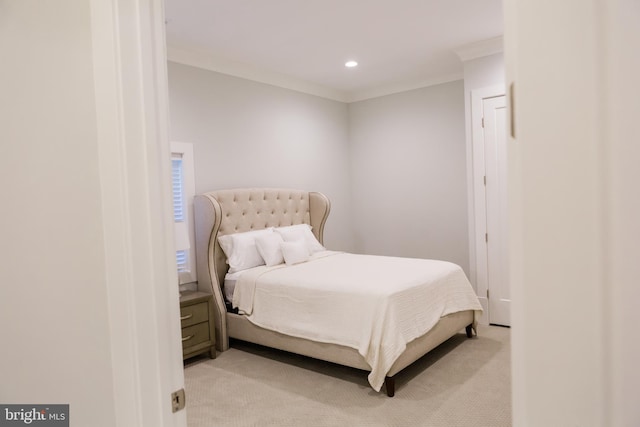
(233,211)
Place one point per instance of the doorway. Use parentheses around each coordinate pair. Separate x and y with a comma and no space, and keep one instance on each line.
(489,121)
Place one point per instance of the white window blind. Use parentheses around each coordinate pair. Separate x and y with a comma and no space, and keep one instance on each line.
(183,190)
(177,187)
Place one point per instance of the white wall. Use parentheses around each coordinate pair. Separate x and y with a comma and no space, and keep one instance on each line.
(408,174)
(574,211)
(621,94)
(249,134)
(562,200)
(89,297)
(482,72)
(53,298)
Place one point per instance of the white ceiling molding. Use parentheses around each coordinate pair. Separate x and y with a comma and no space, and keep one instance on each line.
(480,49)
(362,95)
(209,62)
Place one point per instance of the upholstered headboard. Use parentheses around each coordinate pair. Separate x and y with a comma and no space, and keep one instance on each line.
(234,211)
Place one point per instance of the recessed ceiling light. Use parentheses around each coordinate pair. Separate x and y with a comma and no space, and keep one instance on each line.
(350,64)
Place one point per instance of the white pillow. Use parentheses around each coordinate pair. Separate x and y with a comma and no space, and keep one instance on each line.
(269,248)
(241,250)
(295,252)
(301,232)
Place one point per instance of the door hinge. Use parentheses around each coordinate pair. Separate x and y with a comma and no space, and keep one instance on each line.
(487,293)
(485,180)
(483,122)
(177,400)
(486,237)
(512,109)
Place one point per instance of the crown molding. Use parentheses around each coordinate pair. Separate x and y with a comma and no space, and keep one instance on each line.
(207,61)
(384,90)
(210,62)
(480,49)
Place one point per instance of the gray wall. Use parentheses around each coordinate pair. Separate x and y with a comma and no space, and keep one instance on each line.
(248,134)
(54,298)
(371,157)
(408,174)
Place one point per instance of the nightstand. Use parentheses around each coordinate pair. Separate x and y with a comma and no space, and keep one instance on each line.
(196,317)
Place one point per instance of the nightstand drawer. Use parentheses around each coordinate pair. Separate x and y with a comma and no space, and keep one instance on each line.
(192,314)
(195,334)
(198,329)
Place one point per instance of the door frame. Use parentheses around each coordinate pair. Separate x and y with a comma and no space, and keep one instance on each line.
(495,148)
(132,119)
(478,205)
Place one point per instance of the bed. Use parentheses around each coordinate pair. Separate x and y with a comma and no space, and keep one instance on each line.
(273,305)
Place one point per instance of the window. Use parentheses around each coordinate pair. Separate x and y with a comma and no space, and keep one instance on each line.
(183,189)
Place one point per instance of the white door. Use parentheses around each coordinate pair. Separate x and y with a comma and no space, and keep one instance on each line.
(495,159)
(132,98)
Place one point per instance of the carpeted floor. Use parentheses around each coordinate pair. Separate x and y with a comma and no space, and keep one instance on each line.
(464,382)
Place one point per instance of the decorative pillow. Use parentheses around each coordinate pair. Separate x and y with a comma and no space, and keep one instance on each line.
(301,232)
(269,248)
(241,250)
(295,252)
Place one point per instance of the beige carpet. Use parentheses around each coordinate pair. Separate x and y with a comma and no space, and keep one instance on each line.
(464,382)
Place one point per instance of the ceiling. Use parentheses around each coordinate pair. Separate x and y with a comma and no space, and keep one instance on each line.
(304,44)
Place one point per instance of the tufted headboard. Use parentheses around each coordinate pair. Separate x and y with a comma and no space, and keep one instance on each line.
(234,211)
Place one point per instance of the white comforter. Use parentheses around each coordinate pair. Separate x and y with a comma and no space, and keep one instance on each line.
(374,304)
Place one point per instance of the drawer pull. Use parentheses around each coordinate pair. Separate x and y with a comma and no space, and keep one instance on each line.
(187,338)
(188,316)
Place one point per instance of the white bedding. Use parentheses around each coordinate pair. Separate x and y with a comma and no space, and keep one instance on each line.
(230,284)
(374,304)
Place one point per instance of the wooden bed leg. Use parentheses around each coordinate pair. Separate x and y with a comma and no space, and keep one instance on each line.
(469,330)
(390,384)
